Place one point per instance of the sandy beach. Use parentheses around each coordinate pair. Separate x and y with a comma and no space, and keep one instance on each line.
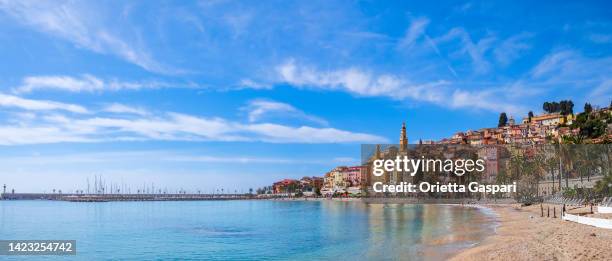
(524,235)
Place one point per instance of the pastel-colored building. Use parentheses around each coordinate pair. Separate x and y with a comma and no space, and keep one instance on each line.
(552,119)
(285,186)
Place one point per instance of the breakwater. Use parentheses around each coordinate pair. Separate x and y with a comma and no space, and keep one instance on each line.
(122,197)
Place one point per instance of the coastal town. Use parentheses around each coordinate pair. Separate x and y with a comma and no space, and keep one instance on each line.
(223,130)
(557,125)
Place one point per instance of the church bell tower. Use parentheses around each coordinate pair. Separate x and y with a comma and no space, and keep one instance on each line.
(403,139)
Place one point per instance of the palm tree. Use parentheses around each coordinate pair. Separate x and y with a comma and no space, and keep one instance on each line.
(565,162)
(538,165)
(551,162)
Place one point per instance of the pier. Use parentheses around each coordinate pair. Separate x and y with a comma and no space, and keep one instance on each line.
(122,197)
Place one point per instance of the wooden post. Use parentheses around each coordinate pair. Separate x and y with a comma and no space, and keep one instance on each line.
(548,211)
(563,213)
(541,210)
(554,212)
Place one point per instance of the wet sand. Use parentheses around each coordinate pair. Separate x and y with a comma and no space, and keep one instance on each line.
(524,235)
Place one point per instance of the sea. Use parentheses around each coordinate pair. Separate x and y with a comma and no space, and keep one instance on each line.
(246,229)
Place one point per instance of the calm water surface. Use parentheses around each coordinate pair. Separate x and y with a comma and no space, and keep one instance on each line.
(246,230)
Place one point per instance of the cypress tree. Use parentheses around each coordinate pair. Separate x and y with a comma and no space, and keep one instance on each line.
(503,120)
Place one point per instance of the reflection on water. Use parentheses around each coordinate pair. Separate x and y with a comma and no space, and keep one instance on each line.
(404,231)
(248,230)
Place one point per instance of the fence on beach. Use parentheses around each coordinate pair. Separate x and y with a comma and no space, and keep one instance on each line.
(596,222)
(566,201)
(605,206)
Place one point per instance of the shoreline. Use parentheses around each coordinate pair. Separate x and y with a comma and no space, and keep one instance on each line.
(522,234)
(519,233)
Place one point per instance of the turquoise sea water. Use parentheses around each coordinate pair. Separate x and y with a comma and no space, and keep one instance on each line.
(246,230)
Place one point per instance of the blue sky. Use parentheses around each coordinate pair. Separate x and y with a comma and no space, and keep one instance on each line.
(232,94)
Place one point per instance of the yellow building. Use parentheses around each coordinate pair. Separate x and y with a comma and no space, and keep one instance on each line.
(552,119)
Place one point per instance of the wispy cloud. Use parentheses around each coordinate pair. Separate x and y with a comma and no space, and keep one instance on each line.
(602,93)
(261,109)
(167,126)
(237,159)
(122,109)
(485,99)
(570,66)
(362,83)
(251,84)
(601,38)
(557,62)
(164,155)
(415,30)
(89,83)
(475,50)
(82,24)
(38,105)
(511,48)
(358,82)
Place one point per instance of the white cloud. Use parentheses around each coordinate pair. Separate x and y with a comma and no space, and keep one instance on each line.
(163,155)
(571,67)
(277,133)
(82,24)
(415,30)
(265,109)
(511,48)
(558,74)
(38,105)
(15,135)
(258,108)
(602,93)
(358,82)
(54,128)
(563,74)
(237,159)
(488,100)
(87,83)
(122,108)
(475,50)
(557,62)
(363,83)
(248,83)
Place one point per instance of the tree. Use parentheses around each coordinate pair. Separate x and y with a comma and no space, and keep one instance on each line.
(588,108)
(602,187)
(591,125)
(503,120)
(593,129)
(566,107)
(530,115)
(551,107)
(551,163)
